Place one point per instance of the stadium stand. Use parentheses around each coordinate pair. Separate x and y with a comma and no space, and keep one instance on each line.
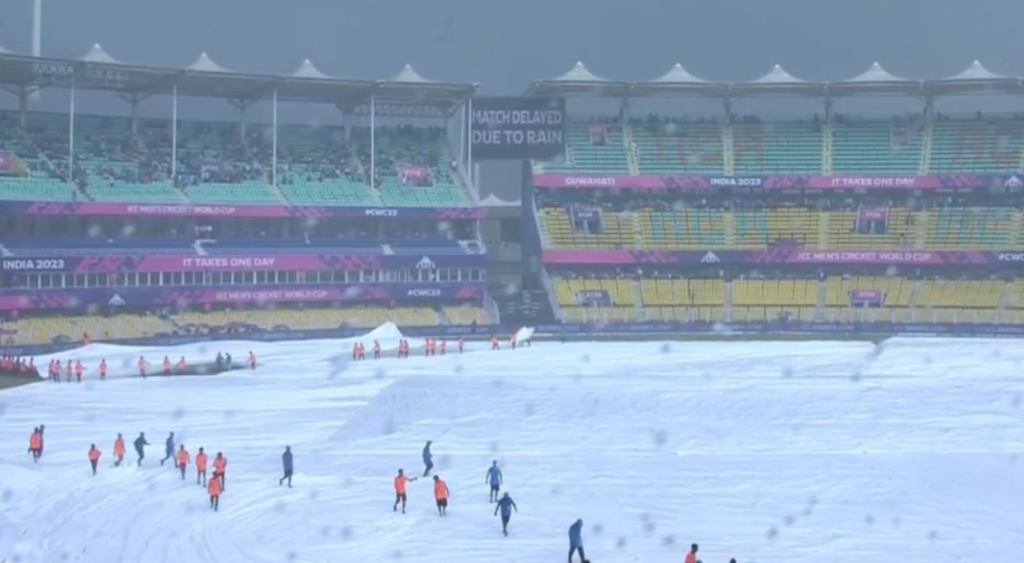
(98,328)
(216,164)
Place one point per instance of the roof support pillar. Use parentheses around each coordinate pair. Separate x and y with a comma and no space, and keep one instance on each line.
(22,106)
(273,165)
(828,109)
(929,108)
(174,134)
(71,137)
(469,146)
(134,101)
(373,142)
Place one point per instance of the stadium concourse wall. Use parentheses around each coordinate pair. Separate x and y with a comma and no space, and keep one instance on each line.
(576,331)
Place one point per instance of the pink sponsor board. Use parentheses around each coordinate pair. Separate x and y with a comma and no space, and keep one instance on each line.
(598,181)
(884,257)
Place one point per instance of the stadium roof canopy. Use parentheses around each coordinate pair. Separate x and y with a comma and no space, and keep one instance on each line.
(98,70)
(974,80)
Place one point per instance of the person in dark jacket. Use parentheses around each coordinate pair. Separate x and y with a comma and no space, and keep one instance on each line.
(169,448)
(505,505)
(576,539)
(428,459)
(494,478)
(140,442)
(286,460)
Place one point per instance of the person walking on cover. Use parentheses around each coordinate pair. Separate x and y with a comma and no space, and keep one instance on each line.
(140,442)
(494,478)
(286,461)
(400,487)
(220,466)
(183,459)
(505,505)
(214,488)
(35,443)
(119,450)
(576,539)
(168,448)
(692,556)
(94,457)
(428,459)
(201,460)
(441,495)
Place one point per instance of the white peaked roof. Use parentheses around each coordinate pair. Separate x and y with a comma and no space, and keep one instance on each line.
(495,201)
(308,70)
(205,64)
(875,74)
(99,55)
(579,73)
(778,75)
(678,75)
(977,71)
(408,75)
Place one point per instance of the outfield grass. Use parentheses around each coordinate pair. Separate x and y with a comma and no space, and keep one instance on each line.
(8,381)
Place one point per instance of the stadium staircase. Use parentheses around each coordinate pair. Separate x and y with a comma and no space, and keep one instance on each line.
(926,147)
(921,229)
(729,223)
(824,223)
(728,154)
(826,149)
(632,151)
(638,300)
(915,296)
(822,300)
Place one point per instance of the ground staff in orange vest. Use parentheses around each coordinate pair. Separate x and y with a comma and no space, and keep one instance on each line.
(252,360)
(201,466)
(441,494)
(94,457)
(35,444)
(220,466)
(103,369)
(181,365)
(78,371)
(214,488)
(68,371)
(400,486)
(167,366)
(183,459)
(119,450)
(692,556)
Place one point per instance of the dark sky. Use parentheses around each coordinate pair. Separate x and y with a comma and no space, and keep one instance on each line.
(505,44)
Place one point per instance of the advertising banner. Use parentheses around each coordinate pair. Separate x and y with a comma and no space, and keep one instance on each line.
(15,299)
(239,263)
(899,182)
(780,255)
(415,175)
(523,128)
(247,211)
(593,298)
(867,298)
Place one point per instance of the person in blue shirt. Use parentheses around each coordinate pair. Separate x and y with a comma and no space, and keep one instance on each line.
(169,449)
(494,478)
(428,459)
(140,443)
(505,505)
(576,539)
(286,460)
